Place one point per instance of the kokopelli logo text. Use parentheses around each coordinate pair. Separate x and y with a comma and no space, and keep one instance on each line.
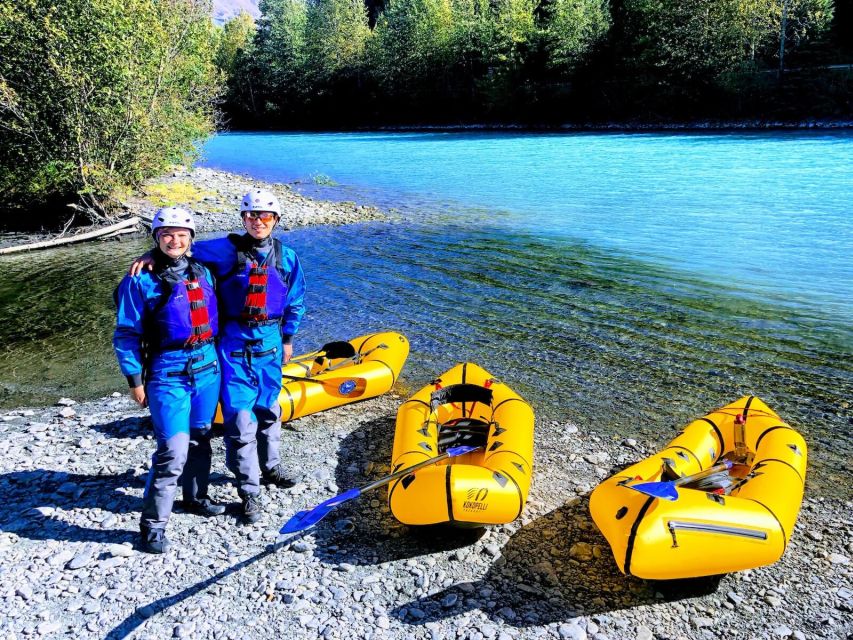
(476,499)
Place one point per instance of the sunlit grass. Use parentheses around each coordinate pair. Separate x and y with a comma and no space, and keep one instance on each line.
(169,194)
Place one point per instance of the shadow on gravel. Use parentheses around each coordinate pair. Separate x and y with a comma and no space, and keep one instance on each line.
(125,428)
(132,622)
(536,582)
(359,532)
(31,498)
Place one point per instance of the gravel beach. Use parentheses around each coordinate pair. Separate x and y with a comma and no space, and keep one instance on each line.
(221,192)
(72,478)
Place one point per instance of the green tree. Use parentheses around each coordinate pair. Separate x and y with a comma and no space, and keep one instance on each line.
(336,38)
(411,49)
(281,55)
(575,26)
(235,41)
(697,41)
(97,95)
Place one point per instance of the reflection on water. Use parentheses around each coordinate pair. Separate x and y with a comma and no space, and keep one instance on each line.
(613,344)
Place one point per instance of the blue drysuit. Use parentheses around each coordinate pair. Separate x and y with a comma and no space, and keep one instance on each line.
(250,350)
(181,382)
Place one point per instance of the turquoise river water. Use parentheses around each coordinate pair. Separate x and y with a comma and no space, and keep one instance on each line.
(626,282)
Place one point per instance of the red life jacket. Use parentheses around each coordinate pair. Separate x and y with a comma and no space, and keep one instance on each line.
(255,307)
(199,318)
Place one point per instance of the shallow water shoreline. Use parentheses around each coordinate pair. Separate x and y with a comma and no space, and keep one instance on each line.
(73,476)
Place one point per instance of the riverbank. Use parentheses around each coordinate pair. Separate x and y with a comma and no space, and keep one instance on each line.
(214,197)
(698,126)
(72,477)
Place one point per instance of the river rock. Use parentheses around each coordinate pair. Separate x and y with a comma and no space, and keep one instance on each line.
(572,632)
(581,551)
(644,633)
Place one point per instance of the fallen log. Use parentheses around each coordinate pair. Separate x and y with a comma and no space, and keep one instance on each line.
(121,227)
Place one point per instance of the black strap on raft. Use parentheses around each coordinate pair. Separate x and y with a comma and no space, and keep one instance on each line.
(337,349)
(463,431)
(460,393)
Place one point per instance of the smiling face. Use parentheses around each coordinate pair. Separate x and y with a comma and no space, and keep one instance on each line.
(259,224)
(174,241)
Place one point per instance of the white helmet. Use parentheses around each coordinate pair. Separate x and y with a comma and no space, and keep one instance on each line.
(173,217)
(260,200)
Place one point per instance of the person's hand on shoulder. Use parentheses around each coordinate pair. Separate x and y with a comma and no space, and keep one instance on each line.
(145,261)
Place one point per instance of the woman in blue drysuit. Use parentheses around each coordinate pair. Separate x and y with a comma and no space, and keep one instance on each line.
(166,324)
(260,287)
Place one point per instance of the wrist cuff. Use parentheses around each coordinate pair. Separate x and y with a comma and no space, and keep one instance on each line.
(134,380)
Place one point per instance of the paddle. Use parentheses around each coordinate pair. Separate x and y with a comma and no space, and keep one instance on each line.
(310,517)
(338,387)
(667,490)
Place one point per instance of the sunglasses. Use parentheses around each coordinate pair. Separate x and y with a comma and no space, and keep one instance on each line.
(264,216)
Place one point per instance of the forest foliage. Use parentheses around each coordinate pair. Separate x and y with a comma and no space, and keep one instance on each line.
(96,95)
(342,62)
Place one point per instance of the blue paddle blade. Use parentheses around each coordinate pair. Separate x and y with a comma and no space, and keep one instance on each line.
(663,490)
(461,450)
(309,517)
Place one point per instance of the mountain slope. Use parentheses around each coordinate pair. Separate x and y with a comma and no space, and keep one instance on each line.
(224,10)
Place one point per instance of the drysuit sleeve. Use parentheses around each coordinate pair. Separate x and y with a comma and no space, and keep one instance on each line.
(295,303)
(218,255)
(127,339)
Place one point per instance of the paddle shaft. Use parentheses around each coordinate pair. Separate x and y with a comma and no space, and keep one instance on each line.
(304,379)
(404,472)
(723,466)
(310,517)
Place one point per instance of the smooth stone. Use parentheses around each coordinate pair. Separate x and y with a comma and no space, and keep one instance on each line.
(61,558)
(449,600)
(25,591)
(109,521)
(91,607)
(120,550)
(581,551)
(47,627)
(81,558)
(572,632)
(701,621)
(644,633)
